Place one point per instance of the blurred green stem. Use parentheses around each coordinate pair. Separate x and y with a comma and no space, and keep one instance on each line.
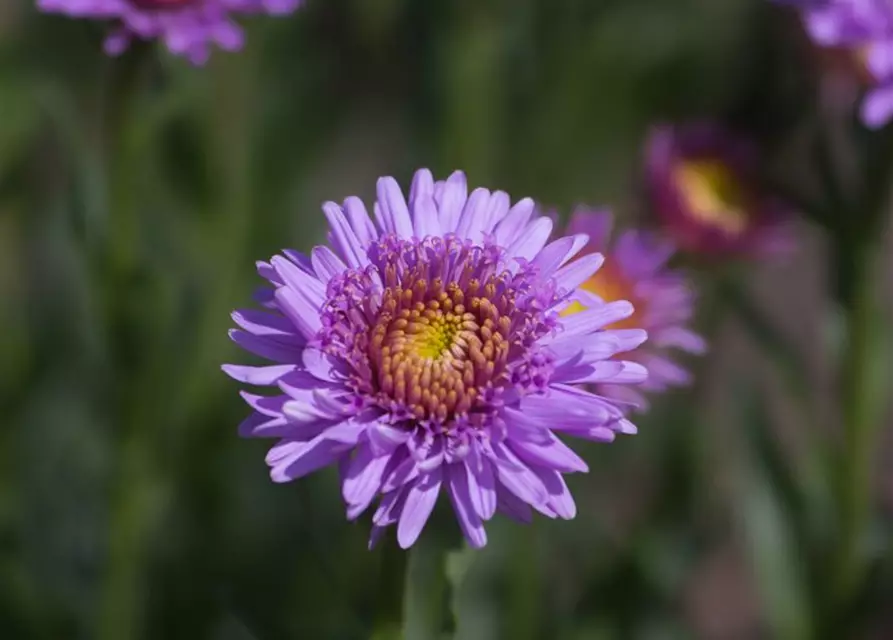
(861,426)
(389,603)
(130,513)
(426,612)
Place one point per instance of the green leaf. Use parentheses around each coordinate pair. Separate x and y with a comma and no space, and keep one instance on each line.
(777,554)
(20,122)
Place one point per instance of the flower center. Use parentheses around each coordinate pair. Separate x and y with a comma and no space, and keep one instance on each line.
(432,327)
(714,195)
(435,348)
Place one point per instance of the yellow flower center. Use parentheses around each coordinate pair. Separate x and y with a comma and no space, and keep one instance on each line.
(713,194)
(435,347)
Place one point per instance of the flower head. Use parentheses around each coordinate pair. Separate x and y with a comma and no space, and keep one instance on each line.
(427,351)
(865,29)
(702,181)
(636,269)
(187,27)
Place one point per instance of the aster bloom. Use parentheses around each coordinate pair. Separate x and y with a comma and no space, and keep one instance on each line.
(702,182)
(865,29)
(187,27)
(427,352)
(636,269)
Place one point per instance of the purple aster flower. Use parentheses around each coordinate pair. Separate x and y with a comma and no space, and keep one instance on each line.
(865,29)
(187,27)
(703,183)
(427,351)
(636,269)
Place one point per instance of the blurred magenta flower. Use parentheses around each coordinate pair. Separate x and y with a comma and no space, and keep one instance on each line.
(865,29)
(428,352)
(703,183)
(187,27)
(636,269)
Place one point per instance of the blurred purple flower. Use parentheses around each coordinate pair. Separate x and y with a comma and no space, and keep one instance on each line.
(865,29)
(636,269)
(703,183)
(427,352)
(187,27)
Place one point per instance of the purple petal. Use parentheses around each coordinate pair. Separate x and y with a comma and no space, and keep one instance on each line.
(469,520)
(522,427)
(680,338)
(517,478)
(422,188)
(261,323)
(579,271)
(301,412)
(309,457)
(597,346)
(481,484)
(663,371)
(596,224)
(475,210)
(375,535)
(299,310)
(266,347)
(343,236)
(302,282)
(260,376)
(556,455)
(267,405)
(389,508)
(451,199)
(877,107)
(425,218)
(258,425)
(324,366)
(628,339)
(391,211)
(511,225)
(403,473)
(347,432)
(583,322)
(532,239)
(613,371)
(301,260)
(360,222)
(512,506)
(362,480)
(384,438)
(557,253)
(641,254)
(326,264)
(420,500)
(567,408)
(560,498)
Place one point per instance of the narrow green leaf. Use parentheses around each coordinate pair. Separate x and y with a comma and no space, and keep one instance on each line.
(777,554)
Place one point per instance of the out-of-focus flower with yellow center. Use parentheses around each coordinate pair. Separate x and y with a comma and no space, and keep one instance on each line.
(635,270)
(703,183)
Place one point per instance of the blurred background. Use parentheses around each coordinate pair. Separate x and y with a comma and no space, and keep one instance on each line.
(136,194)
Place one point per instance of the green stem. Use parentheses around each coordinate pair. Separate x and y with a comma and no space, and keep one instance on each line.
(133,496)
(130,522)
(426,610)
(860,421)
(389,604)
